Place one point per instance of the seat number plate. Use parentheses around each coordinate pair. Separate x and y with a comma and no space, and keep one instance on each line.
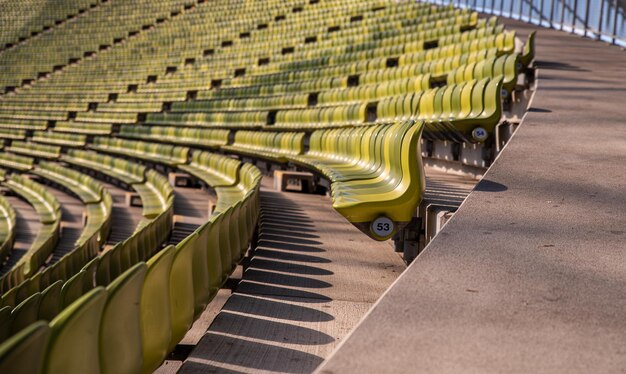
(382,226)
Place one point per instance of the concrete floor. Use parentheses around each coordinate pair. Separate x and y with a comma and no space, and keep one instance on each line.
(311,279)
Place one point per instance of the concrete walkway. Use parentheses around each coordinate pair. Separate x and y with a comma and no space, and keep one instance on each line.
(124,218)
(311,279)
(530,274)
(71,223)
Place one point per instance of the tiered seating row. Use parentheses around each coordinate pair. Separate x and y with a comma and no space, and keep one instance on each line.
(21,20)
(7,226)
(219,244)
(49,211)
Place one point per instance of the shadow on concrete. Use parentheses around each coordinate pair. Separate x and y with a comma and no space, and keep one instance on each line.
(274,278)
(276,306)
(285,267)
(539,110)
(267,330)
(250,305)
(199,367)
(487,185)
(270,291)
(260,356)
(558,65)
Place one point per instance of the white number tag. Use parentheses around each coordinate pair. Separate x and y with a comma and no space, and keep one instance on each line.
(382,226)
(479,134)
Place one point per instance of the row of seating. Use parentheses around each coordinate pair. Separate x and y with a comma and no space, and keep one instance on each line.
(7,225)
(49,212)
(72,269)
(152,205)
(466,112)
(133,304)
(24,19)
(157,153)
(34,150)
(96,198)
(326,111)
(98,204)
(194,137)
(110,21)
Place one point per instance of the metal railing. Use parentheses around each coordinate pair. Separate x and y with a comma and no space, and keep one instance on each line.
(598,19)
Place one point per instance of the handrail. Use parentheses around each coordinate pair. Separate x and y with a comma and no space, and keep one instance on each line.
(597,19)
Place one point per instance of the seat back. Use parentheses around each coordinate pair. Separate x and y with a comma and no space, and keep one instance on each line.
(155,310)
(50,304)
(74,338)
(120,331)
(210,233)
(181,288)
(26,313)
(25,351)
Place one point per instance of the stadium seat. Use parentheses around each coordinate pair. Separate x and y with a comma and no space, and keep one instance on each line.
(121,317)
(24,352)
(76,329)
(155,311)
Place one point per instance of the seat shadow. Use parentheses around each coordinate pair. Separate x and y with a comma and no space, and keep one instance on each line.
(306,228)
(287,267)
(539,110)
(290,233)
(288,246)
(273,292)
(200,367)
(272,331)
(558,65)
(269,277)
(287,239)
(247,354)
(287,219)
(281,310)
(487,185)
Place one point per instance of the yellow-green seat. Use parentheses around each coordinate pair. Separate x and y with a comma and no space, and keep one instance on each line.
(487,98)
(74,339)
(155,310)
(5,322)
(529,49)
(201,287)
(209,239)
(50,301)
(24,352)
(103,273)
(120,329)
(73,288)
(399,203)
(26,313)
(181,289)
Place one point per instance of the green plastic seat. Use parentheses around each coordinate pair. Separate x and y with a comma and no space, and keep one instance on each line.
(73,289)
(50,304)
(155,310)
(24,352)
(75,336)
(26,313)
(5,322)
(201,287)
(181,287)
(529,49)
(397,202)
(103,273)
(209,239)
(120,328)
